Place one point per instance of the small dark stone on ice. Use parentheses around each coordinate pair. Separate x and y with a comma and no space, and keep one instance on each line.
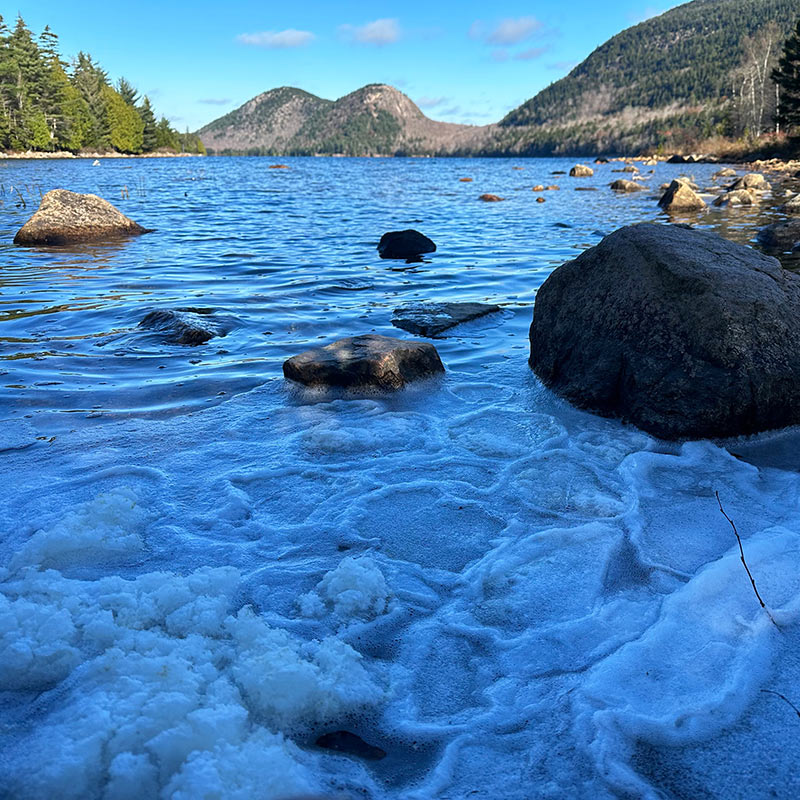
(350,743)
(368,360)
(404,244)
(431,319)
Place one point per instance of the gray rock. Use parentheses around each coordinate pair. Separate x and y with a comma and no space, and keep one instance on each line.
(754,181)
(681,332)
(431,319)
(581,171)
(725,172)
(368,360)
(680,198)
(622,185)
(737,197)
(66,218)
(780,237)
(404,244)
(190,326)
(792,206)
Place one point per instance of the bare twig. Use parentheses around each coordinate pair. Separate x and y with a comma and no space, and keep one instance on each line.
(741,555)
(784,698)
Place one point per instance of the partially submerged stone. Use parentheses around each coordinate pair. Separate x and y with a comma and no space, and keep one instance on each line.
(737,197)
(753,181)
(622,185)
(580,171)
(780,237)
(791,206)
(681,198)
(431,319)
(369,360)
(681,332)
(65,217)
(405,244)
(491,198)
(725,172)
(188,326)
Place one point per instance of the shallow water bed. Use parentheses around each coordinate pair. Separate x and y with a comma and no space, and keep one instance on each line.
(510,597)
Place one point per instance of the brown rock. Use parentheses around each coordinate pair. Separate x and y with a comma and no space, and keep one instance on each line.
(369,360)
(278,166)
(538,188)
(552,188)
(465,180)
(680,198)
(65,217)
(540,200)
(626,186)
(491,198)
(737,197)
(581,171)
(753,181)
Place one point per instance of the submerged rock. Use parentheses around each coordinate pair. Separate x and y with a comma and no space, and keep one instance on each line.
(431,319)
(350,743)
(622,185)
(369,360)
(681,332)
(791,206)
(780,237)
(189,326)
(491,198)
(580,171)
(680,197)
(725,172)
(465,180)
(66,217)
(404,244)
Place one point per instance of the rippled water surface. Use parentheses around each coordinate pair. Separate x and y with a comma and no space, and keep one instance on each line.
(203,569)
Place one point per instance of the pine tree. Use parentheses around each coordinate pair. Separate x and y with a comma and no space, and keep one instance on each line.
(127,92)
(149,131)
(787,77)
(125,125)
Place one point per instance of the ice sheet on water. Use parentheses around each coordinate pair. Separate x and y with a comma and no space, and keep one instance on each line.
(506,595)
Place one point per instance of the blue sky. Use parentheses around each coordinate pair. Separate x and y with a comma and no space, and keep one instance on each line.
(461,61)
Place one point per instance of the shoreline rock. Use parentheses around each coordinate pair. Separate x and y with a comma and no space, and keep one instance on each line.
(65,218)
(679,331)
(365,361)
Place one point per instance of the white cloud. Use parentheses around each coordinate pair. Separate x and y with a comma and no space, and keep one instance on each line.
(500,55)
(277,40)
(513,31)
(379,32)
(215,101)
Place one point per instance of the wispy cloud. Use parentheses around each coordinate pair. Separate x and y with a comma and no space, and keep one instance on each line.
(431,102)
(215,101)
(500,55)
(277,40)
(531,54)
(563,66)
(378,32)
(507,32)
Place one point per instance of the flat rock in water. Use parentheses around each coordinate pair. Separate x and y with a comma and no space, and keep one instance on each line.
(681,198)
(431,319)
(350,743)
(404,244)
(622,185)
(183,325)
(369,360)
(66,217)
(780,237)
(679,331)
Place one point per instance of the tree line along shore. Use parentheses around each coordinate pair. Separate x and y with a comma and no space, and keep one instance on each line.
(51,106)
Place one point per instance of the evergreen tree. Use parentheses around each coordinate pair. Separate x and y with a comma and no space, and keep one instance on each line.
(149,131)
(125,125)
(787,76)
(127,92)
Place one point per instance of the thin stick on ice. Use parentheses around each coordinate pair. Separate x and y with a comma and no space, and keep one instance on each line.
(741,555)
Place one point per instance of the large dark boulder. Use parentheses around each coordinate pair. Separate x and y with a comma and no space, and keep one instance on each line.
(431,319)
(369,360)
(681,332)
(404,244)
(65,217)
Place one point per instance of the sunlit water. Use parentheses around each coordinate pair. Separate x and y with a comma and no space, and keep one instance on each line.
(542,603)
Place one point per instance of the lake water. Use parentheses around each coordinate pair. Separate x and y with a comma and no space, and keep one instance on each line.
(204,568)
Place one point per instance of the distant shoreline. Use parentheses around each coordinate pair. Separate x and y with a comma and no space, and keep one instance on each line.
(37,156)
